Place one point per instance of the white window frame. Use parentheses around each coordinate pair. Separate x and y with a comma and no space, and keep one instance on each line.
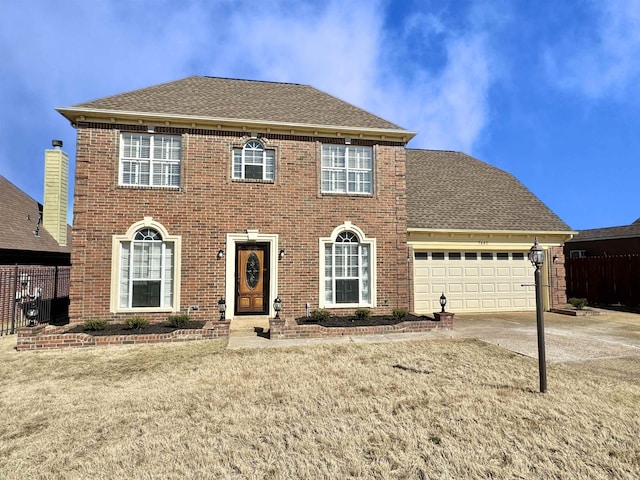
(117,265)
(159,164)
(370,244)
(248,156)
(344,169)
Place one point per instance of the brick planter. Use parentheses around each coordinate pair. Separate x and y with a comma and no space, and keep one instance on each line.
(285,329)
(45,337)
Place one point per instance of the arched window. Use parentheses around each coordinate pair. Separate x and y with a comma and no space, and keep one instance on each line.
(253,161)
(146,271)
(348,275)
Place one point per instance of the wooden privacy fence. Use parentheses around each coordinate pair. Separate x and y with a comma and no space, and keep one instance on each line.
(607,280)
(22,286)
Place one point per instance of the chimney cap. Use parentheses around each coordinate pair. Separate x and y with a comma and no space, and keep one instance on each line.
(56,143)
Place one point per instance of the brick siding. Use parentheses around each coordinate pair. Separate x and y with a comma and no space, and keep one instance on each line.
(557,278)
(44,337)
(209,205)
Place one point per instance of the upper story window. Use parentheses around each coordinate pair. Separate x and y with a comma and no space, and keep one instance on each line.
(254,162)
(347,169)
(150,160)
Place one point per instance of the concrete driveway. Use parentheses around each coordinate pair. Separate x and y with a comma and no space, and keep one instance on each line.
(567,338)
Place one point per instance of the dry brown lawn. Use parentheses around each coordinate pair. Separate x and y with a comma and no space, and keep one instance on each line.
(424,410)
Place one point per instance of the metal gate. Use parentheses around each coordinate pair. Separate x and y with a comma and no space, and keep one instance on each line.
(24,287)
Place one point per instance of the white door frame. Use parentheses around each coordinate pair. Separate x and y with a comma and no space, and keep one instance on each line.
(230,267)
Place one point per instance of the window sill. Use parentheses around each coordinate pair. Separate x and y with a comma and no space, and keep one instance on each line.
(146,310)
(149,187)
(345,194)
(252,180)
(348,305)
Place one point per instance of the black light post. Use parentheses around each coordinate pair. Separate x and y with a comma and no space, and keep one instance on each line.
(222,308)
(536,256)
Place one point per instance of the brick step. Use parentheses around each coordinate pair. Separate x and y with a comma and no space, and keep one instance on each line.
(249,323)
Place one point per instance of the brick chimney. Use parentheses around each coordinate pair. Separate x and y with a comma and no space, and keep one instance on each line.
(56,173)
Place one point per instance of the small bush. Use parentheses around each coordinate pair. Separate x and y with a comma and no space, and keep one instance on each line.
(363,313)
(400,313)
(94,324)
(136,322)
(578,303)
(178,321)
(320,315)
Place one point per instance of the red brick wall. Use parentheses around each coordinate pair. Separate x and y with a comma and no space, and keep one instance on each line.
(557,278)
(209,205)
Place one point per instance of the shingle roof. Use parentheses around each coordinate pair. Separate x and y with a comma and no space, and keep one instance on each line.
(19,217)
(451,190)
(624,231)
(225,98)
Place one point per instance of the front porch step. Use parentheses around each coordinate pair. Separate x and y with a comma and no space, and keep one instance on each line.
(248,323)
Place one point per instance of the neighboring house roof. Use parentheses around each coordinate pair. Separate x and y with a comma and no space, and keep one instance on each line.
(625,231)
(19,218)
(451,190)
(234,99)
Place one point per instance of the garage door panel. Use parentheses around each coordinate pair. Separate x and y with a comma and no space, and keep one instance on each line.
(473,284)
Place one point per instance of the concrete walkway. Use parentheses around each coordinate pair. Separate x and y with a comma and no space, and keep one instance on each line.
(567,338)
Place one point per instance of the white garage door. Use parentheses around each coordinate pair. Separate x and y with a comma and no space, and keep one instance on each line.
(474,281)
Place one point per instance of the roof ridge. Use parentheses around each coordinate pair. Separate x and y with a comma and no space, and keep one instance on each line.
(248,80)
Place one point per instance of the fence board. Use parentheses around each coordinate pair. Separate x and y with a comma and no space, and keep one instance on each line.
(607,280)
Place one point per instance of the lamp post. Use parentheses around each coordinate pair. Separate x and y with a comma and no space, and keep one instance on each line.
(222,308)
(536,256)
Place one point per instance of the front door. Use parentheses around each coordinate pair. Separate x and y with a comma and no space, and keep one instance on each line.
(252,278)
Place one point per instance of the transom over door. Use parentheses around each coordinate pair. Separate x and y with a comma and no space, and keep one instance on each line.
(252,278)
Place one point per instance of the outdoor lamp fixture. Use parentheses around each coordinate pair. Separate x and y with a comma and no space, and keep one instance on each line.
(277,306)
(220,253)
(282,253)
(443,302)
(536,256)
(32,313)
(222,308)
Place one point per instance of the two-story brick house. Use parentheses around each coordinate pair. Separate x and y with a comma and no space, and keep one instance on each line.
(208,188)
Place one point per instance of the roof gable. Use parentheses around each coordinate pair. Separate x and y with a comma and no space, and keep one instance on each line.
(240,100)
(452,190)
(624,231)
(19,218)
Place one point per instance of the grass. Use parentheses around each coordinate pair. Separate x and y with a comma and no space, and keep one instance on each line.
(425,409)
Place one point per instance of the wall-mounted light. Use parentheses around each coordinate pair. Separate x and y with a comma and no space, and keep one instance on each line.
(554,258)
(282,253)
(220,254)
(151,128)
(347,140)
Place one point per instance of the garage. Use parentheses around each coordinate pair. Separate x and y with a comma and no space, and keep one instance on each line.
(473,281)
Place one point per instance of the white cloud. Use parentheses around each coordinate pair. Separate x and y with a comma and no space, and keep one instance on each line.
(603,62)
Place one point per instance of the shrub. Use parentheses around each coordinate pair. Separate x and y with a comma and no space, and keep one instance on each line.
(400,313)
(136,322)
(320,315)
(363,313)
(178,321)
(94,324)
(578,303)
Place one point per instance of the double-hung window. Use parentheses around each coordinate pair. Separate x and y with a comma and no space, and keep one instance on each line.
(347,169)
(254,162)
(150,160)
(146,271)
(348,268)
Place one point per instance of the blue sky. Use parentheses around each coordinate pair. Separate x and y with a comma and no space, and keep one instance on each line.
(547,90)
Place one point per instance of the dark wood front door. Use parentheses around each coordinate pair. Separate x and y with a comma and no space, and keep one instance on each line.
(252,278)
